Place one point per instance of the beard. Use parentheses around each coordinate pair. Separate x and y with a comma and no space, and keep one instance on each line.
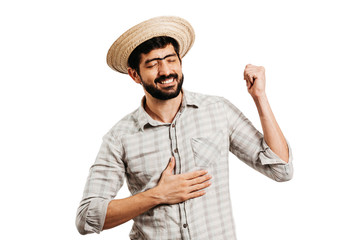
(161,94)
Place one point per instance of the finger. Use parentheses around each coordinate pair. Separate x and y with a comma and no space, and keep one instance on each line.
(200,179)
(201,186)
(171,165)
(249,68)
(196,194)
(247,74)
(249,77)
(248,84)
(195,174)
(254,77)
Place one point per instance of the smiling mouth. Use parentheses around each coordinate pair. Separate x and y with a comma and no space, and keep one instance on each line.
(167,81)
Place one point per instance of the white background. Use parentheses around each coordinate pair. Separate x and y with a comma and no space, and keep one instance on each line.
(58,98)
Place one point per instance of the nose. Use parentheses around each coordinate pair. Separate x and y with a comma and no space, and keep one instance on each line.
(164,68)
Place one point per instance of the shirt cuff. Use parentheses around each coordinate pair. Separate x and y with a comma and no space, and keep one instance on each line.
(267,156)
(96,215)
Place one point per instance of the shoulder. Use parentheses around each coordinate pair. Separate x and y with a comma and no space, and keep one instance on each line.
(215,103)
(128,125)
(203,99)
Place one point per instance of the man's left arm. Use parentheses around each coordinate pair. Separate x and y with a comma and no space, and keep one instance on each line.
(273,136)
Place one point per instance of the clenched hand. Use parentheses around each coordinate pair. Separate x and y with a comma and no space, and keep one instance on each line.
(255,80)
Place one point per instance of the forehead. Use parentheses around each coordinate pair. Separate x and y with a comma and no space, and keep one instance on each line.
(157,53)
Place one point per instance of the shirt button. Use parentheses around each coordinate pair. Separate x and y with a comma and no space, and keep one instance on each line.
(175,151)
(173,125)
(185,225)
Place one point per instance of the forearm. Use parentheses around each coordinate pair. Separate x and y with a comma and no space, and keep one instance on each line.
(120,211)
(272,133)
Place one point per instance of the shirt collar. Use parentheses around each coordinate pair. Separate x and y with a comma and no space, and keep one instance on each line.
(189,100)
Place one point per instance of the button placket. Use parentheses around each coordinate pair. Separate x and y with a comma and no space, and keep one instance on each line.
(174,145)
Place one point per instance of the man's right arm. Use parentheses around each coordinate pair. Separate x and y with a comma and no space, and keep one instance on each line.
(171,189)
(97,210)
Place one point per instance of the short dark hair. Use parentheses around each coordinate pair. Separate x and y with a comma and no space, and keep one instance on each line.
(149,45)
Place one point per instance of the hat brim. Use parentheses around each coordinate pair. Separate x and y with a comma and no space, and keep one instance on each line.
(175,27)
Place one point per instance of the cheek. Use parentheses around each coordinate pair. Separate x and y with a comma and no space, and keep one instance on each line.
(148,77)
(178,69)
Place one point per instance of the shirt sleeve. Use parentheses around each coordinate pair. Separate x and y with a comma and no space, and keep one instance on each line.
(106,177)
(248,144)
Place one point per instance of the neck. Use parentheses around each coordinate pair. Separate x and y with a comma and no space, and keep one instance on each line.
(162,110)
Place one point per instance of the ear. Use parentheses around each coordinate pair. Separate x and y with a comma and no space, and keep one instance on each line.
(134,75)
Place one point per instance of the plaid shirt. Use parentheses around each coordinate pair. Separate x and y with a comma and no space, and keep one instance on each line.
(138,148)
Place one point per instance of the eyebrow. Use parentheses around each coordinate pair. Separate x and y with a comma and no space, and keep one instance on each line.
(153,59)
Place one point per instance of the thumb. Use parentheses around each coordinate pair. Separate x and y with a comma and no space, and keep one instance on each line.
(248,84)
(170,167)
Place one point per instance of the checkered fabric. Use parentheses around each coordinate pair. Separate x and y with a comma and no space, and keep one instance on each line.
(138,149)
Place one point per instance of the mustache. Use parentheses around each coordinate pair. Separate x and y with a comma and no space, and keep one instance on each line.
(163,77)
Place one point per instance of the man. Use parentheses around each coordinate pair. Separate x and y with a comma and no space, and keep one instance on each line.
(173,150)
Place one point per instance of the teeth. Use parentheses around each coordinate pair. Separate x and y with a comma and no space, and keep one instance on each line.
(167,81)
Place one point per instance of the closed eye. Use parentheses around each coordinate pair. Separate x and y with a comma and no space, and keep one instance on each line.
(151,65)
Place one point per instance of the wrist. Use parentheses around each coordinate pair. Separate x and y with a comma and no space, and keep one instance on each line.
(259,96)
(156,196)
(262,105)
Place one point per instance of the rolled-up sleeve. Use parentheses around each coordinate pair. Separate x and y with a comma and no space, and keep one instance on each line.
(106,177)
(248,144)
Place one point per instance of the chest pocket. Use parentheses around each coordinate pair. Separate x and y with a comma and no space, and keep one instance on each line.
(208,150)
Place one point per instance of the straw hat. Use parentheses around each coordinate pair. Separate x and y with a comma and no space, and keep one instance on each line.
(175,27)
